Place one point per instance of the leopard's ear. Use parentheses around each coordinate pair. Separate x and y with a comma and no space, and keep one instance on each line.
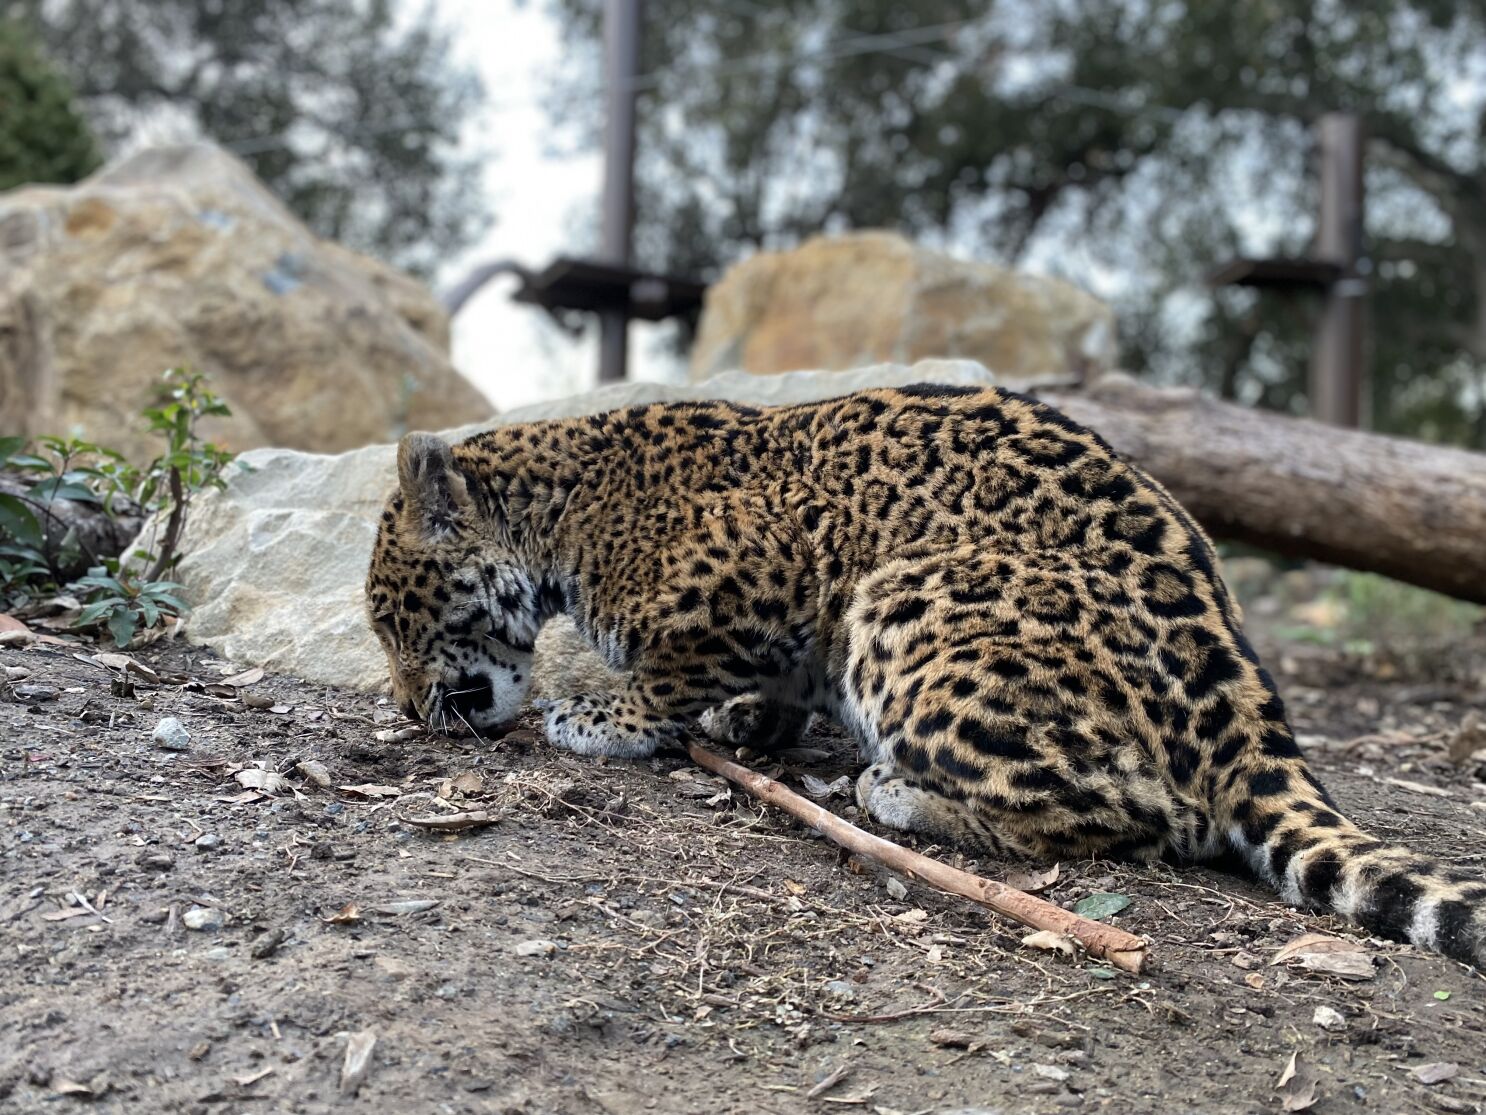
(431,487)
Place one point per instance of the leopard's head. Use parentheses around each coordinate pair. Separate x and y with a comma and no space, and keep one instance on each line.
(452,606)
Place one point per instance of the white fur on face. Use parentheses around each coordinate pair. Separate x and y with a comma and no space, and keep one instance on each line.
(506,693)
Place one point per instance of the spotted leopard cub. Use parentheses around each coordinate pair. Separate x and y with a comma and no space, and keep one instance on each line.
(1026,635)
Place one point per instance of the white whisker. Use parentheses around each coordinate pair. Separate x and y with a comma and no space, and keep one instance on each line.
(470,726)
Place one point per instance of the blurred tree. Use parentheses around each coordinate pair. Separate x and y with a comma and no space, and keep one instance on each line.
(1126,144)
(43,137)
(349,111)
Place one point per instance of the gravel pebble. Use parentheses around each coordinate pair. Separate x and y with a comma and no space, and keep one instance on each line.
(171,734)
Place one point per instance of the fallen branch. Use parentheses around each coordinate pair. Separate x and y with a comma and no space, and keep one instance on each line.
(1123,950)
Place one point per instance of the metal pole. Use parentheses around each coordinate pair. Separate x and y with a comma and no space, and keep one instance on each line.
(622,61)
(1338,374)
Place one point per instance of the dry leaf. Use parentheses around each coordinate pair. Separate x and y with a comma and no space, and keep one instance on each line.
(1435,1073)
(1101,905)
(468,783)
(264,781)
(1329,1018)
(1297,1086)
(914,915)
(1337,956)
(247,677)
(1052,942)
(405,906)
(453,822)
(954,1039)
(372,790)
(398,735)
(1470,738)
(535,948)
(357,1065)
(794,887)
(1314,943)
(1418,788)
(66,915)
(817,788)
(1033,882)
(1347,965)
(346,915)
(60,1084)
(896,888)
(247,797)
(313,770)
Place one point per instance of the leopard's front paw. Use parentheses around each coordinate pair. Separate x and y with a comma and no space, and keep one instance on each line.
(595,724)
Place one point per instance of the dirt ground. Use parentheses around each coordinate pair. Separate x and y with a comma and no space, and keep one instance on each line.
(633,937)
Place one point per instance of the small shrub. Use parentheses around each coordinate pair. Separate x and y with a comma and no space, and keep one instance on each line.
(43,136)
(120,592)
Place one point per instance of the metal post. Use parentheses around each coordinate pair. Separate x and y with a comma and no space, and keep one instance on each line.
(622,61)
(1337,383)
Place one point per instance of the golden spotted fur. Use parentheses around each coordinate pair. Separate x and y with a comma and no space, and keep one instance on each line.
(1026,635)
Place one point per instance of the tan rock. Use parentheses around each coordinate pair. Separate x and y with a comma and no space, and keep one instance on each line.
(274,565)
(845,301)
(179,256)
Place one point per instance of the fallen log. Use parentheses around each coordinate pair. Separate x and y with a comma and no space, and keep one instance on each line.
(1123,950)
(1408,510)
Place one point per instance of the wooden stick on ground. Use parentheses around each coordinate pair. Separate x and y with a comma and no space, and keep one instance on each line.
(1123,950)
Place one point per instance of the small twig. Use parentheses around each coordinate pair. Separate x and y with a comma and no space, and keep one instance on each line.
(938,1003)
(830,1081)
(82,900)
(1123,950)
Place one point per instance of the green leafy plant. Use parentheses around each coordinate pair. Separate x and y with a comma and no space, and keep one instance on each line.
(189,465)
(43,135)
(123,600)
(38,543)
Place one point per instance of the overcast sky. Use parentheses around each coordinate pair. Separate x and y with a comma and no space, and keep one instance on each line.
(545,201)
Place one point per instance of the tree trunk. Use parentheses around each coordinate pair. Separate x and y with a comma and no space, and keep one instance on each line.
(1407,510)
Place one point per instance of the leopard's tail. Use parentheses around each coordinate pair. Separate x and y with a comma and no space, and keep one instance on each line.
(1281,819)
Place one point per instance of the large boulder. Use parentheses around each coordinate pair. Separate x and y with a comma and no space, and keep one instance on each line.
(179,256)
(845,301)
(274,564)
